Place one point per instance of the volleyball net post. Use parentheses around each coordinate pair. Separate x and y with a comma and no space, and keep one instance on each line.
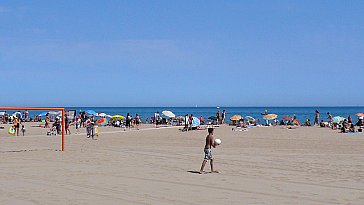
(62,110)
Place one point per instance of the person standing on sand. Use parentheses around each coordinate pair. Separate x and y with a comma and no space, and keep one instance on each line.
(137,121)
(6,117)
(128,121)
(218,117)
(329,117)
(223,116)
(190,121)
(207,150)
(26,115)
(186,122)
(47,121)
(156,119)
(16,125)
(317,118)
(67,124)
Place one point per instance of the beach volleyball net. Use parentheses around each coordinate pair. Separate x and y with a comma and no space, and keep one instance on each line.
(36,135)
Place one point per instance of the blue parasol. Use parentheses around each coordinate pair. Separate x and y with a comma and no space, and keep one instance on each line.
(90,112)
(42,114)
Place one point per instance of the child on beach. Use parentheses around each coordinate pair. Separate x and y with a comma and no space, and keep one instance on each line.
(22,129)
(207,150)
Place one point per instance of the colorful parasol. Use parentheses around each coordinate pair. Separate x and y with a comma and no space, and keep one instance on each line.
(102,121)
(235,117)
(270,117)
(117,117)
(287,117)
(360,114)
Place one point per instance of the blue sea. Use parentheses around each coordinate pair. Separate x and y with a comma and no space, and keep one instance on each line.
(302,113)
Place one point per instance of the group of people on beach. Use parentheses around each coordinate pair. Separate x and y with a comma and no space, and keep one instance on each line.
(220,117)
(83,120)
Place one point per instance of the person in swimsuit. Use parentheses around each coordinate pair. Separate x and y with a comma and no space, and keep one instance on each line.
(16,125)
(47,121)
(207,150)
(67,124)
(137,121)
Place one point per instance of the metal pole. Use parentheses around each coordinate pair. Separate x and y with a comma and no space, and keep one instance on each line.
(63,128)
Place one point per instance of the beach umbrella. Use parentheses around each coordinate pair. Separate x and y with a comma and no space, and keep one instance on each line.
(212,118)
(195,122)
(287,117)
(102,121)
(54,112)
(90,112)
(360,114)
(270,117)
(42,114)
(15,114)
(235,117)
(250,118)
(108,116)
(180,118)
(117,117)
(168,114)
(101,114)
(2,113)
(338,119)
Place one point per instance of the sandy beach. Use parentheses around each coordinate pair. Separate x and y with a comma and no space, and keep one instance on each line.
(265,165)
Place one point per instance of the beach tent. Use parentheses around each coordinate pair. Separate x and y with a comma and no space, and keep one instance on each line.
(195,122)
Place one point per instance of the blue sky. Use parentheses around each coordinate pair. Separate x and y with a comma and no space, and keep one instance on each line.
(182,53)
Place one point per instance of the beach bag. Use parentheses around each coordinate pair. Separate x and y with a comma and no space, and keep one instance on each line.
(11,130)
